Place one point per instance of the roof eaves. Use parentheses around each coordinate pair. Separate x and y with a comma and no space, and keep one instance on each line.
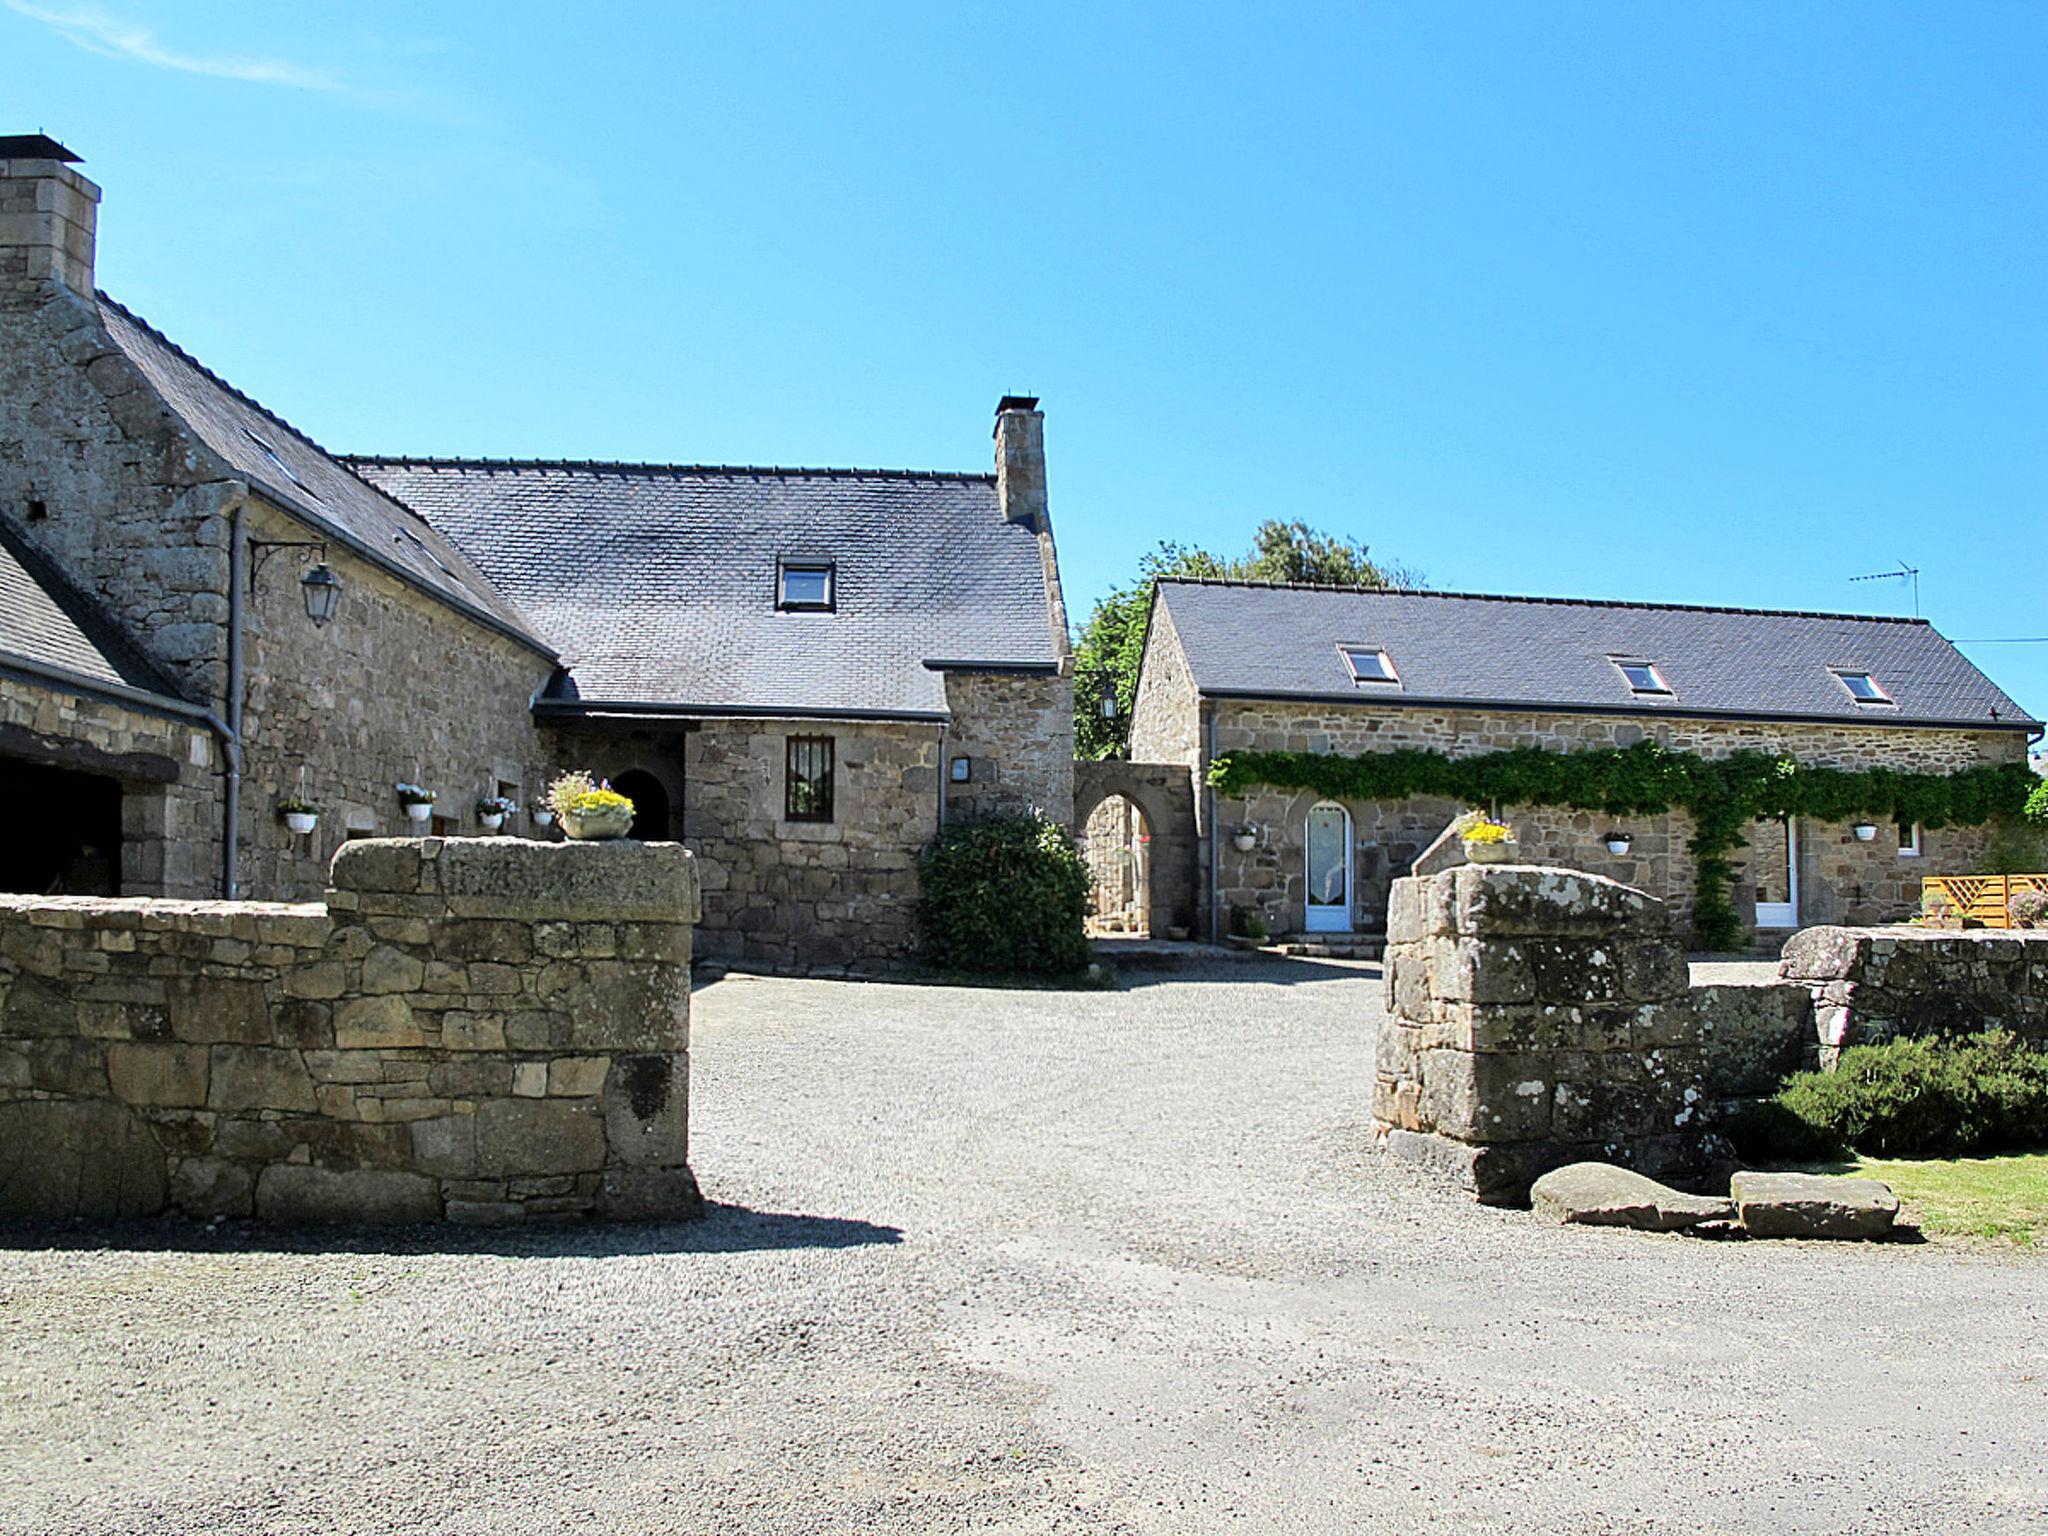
(1649,711)
(585,709)
(142,700)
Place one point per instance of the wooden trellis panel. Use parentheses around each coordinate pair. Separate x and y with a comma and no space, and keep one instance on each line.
(1982,897)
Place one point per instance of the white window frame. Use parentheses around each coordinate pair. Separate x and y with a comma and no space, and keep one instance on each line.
(1622,664)
(1351,653)
(1842,676)
(1912,841)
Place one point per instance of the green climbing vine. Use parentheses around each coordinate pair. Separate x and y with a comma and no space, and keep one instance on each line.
(1721,794)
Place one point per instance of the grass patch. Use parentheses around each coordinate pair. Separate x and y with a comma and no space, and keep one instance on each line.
(1988,1199)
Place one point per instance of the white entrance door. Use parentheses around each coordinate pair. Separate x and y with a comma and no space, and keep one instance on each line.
(1329,870)
(1774,855)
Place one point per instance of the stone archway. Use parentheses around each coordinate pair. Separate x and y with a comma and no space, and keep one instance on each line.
(1162,801)
(1116,840)
(650,805)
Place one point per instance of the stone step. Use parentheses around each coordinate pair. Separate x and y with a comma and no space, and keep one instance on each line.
(1329,946)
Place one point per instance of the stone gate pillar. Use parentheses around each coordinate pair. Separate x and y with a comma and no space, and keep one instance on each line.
(1535,1017)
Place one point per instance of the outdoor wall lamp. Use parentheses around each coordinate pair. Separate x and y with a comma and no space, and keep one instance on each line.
(320,587)
(1109,701)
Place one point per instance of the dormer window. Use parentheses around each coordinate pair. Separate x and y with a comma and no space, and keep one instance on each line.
(1641,676)
(1863,688)
(804,586)
(1369,664)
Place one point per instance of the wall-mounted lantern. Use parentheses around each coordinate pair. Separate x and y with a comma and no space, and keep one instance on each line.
(320,587)
(1109,701)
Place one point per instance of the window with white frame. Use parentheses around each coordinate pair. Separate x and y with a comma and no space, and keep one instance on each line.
(1369,664)
(1863,688)
(1641,676)
(1909,838)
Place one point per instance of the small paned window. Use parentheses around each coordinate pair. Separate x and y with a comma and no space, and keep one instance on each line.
(1369,664)
(1909,838)
(1863,688)
(1641,676)
(963,769)
(807,779)
(804,585)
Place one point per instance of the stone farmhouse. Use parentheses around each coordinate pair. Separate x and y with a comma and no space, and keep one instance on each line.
(1233,667)
(800,673)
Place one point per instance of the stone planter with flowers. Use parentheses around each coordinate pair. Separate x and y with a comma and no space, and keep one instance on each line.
(590,809)
(1487,841)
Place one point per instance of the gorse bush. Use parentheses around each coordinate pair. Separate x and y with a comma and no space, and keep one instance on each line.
(1009,894)
(1934,1097)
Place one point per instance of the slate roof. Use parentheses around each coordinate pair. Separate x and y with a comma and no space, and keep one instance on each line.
(48,623)
(1263,640)
(303,478)
(657,583)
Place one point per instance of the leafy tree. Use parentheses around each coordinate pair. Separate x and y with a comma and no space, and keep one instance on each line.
(1111,644)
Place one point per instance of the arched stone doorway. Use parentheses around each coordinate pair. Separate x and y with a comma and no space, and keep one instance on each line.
(650,805)
(1116,840)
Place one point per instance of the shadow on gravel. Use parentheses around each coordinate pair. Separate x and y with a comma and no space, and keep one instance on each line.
(1134,971)
(723,1229)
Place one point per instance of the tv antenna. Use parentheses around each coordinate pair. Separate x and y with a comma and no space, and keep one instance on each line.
(1910,574)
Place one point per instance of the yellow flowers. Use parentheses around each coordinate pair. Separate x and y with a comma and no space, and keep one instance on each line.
(1483,829)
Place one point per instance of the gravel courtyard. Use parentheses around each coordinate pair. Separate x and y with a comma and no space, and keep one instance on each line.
(1023,1262)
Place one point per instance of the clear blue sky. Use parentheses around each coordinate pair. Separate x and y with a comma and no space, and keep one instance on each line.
(1698,303)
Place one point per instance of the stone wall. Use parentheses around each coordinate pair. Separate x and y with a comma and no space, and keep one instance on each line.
(1842,879)
(788,893)
(1535,1017)
(1871,984)
(168,771)
(481,1030)
(96,474)
(1017,732)
(398,687)
(1164,793)
(1166,716)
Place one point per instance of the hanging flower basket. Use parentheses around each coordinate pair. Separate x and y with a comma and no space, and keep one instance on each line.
(1245,839)
(300,816)
(493,809)
(1619,842)
(1866,831)
(418,802)
(543,817)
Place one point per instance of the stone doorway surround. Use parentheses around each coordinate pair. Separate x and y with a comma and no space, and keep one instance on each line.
(1163,795)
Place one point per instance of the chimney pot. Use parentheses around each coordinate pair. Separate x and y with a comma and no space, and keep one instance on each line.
(49,218)
(1020,461)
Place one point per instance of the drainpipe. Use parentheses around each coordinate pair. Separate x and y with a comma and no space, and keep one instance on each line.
(1215,864)
(945,772)
(231,736)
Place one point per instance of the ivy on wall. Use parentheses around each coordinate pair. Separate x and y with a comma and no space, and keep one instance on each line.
(1721,794)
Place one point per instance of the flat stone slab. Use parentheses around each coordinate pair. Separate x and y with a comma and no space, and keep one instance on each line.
(1813,1205)
(1602,1195)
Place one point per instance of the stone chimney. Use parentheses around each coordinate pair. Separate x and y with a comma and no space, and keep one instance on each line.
(48,215)
(1020,461)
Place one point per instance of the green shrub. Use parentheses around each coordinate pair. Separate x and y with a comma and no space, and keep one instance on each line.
(1008,894)
(1934,1097)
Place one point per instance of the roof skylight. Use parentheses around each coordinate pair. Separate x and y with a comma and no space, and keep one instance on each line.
(277,462)
(1863,688)
(804,585)
(1641,676)
(1369,664)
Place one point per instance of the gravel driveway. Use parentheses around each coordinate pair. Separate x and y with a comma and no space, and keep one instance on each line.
(1024,1262)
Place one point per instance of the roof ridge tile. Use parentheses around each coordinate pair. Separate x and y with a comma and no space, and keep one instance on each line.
(1514,597)
(493,465)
